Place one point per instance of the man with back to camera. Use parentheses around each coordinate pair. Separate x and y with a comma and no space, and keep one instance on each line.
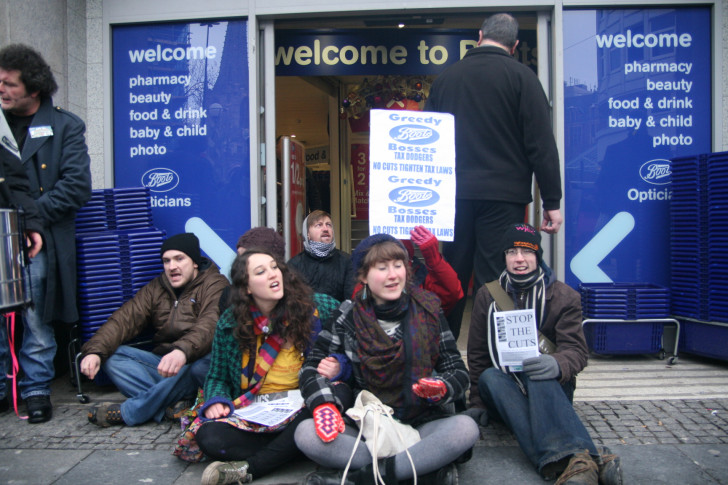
(325,268)
(503,136)
(55,158)
(181,305)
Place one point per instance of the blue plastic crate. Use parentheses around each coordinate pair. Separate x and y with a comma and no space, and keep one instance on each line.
(705,339)
(627,338)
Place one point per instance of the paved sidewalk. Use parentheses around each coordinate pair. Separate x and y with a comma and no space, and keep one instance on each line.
(660,441)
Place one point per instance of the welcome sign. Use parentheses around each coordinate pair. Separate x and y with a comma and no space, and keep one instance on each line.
(412,173)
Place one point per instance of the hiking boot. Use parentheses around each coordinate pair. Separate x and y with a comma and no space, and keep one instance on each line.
(610,467)
(582,470)
(225,472)
(40,408)
(178,409)
(106,414)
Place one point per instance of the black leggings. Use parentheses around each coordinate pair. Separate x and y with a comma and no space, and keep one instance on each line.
(264,452)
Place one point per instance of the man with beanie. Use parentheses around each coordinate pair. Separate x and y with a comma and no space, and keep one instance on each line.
(536,402)
(180,307)
(325,268)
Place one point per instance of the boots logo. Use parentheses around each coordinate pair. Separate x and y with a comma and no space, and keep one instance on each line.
(414,134)
(656,172)
(414,196)
(160,179)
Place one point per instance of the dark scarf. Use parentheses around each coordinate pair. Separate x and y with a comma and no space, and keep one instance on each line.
(390,367)
(527,291)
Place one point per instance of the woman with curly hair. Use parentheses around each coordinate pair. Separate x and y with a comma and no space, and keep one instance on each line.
(403,352)
(258,349)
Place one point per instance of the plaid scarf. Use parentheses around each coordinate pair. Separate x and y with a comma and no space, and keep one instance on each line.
(258,367)
(390,367)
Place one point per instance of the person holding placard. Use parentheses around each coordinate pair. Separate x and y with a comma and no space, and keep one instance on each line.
(534,397)
(402,352)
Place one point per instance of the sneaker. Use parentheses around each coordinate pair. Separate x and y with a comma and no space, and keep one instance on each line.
(106,414)
(40,408)
(582,470)
(223,473)
(4,404)
(178,409)
(610,467)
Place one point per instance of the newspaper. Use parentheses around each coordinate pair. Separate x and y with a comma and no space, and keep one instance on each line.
(517,337)
(270,412)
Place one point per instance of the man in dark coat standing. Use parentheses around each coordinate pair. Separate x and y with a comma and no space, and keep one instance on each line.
(503,137)
(15,194)
(55,157)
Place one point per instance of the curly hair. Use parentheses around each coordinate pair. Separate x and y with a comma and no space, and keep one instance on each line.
(35,72)
(290,318)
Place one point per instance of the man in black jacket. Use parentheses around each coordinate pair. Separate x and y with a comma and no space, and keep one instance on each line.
(503,136)
(325,268)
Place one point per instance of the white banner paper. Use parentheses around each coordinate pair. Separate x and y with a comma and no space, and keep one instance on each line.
(412,173)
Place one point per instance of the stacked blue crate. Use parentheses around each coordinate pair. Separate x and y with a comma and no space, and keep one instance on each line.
(117,250)
(699,242)
(621,317)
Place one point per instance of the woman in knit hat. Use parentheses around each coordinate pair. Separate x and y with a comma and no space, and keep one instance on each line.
(402,352)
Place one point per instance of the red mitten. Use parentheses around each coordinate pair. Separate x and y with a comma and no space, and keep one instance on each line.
(427,242)
(328,422)
(430,389)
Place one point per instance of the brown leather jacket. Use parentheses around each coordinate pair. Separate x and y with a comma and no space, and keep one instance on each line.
(186,323)
(562,325)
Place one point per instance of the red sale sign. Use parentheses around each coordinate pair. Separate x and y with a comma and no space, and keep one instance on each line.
(360,171)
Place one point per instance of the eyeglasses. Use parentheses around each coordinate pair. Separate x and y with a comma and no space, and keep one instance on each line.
(522,251)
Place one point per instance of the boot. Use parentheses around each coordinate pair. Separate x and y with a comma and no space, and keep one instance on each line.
(224,473)
(362,476)
(610,467)
(582,470)
(447,475)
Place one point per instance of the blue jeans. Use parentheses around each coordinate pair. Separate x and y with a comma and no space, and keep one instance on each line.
(134,372)
(544,422)
(39,341)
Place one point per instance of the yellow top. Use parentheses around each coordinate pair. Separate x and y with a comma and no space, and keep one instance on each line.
(283,374)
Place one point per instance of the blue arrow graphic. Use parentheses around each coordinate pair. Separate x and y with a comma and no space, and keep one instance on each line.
(585,264)
(218,250)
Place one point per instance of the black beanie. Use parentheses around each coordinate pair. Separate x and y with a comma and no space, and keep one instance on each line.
(185,242)
(522,235)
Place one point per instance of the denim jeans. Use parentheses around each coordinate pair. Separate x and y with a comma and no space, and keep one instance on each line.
(39,341)
(544,422)
(134,372)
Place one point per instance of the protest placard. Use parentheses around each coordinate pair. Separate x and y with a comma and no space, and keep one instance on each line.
(517,337)
(412,173)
